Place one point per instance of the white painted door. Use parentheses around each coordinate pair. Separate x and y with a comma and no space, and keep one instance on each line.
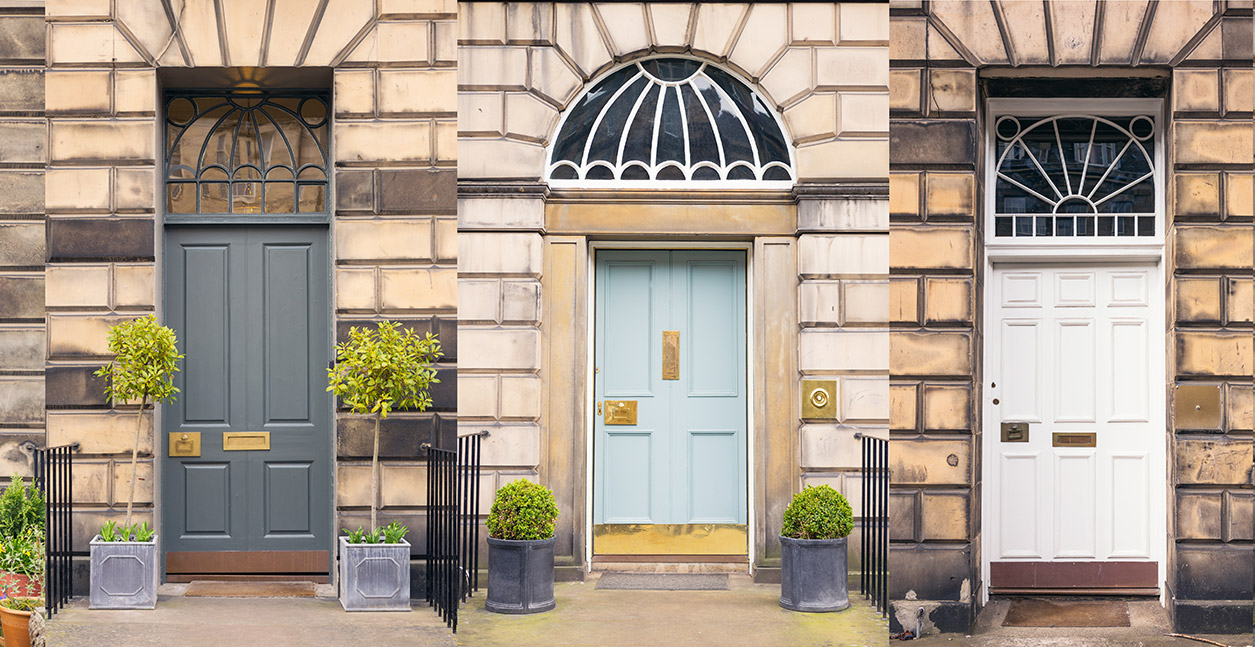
(1075,350)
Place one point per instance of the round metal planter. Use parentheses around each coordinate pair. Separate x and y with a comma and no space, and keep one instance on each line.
(813,575)
(520,575)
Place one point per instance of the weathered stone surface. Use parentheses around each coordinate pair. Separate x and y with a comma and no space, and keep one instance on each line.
(511,348)
(1238,93)
(22,142)
(22,39)
(851,66)
(931,248)
(902,406)
(1211,572)
(927,462)
(380,141)
(1213,353)
(930,353)
(21,401)
(77,286)
(1241,518)
(21,90)
(418,288)
(354,92)
(22,348)
(21,244)
(1197,194)
(1239,195)
(527,117)
(479,300)
(630,32)
(577,34)
(936,141)
(864,113)
(1198,515)
(356,289)
(1240,300)
(952,90)
(1196,142)
(71,190)
(1240,408)
(715,26)
(133,189)
(1197,299)
(74,387)
(822,350)
(947,407)
(22,296)
(23,192)
(134,286)
(904,300)
(89,141)
(409,92)
(950,195)
(1213,247)
(1213,461)
(79,336)
(499,253)
(100,432)
(905,90)
(903,512)
(843,160)
(948,300)
(904,194)
(1196,90)
(864,399)
(770,35)
(71,239)
(819,302)
(520,301)
(392,239)
(945,516)
(500,159)
(843,254)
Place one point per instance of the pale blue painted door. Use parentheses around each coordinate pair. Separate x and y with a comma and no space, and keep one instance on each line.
(684,459)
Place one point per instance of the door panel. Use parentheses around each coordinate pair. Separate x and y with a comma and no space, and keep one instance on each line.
(1073,354)
(251,309)
(681,469)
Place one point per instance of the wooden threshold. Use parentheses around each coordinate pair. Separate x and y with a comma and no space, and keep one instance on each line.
(238,562)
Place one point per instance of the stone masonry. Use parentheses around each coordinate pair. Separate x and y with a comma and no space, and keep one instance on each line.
(942,52)
(820,253)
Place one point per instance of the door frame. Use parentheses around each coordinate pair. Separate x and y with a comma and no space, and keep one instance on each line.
(327,446)
(590,350)
(1146,252)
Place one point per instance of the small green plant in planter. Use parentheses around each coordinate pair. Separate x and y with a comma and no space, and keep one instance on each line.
(377,371)
(16,609)
(520,549)
(21,538)
(813,551)
(146,357)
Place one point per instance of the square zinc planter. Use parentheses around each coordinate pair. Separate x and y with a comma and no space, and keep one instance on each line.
(123,574)
(374,577)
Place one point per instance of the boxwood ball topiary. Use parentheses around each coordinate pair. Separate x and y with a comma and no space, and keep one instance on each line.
(818,512)
(522,511)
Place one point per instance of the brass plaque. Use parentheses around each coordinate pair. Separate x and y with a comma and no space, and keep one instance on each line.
(185,443)
(1197,407)
(242,441)
(819,399)
(671,539)
(620,412)
(670,354)
(1015,432)
(1074,439)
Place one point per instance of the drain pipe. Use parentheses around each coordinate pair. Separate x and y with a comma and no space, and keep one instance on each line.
(919,622)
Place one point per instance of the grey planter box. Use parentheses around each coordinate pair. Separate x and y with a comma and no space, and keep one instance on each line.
(813,574)
(520,575)
(374,577)
(123,574)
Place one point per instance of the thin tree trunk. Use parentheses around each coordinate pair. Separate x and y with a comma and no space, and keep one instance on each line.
(139,424)
(374,476)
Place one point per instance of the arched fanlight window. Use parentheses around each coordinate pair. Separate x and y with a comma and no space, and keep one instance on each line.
(246,153)
(670,121)
(1075,176)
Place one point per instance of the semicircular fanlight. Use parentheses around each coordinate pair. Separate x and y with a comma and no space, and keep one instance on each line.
(1075,175)
(666,120)
(246,152)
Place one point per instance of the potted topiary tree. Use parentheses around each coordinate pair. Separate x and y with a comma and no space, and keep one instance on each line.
(21,539)
(813,573)
(377,371)
(520,549)
(124,562)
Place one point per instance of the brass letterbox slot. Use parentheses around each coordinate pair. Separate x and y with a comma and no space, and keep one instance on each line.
(185,443)
(242,441)
(1073,439)
(620,412)
(1015,432)
(819,399)
(1197,407)
(670,354)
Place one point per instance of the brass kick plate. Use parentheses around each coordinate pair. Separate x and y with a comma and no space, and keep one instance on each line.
(620,412)
(185,443)
(819,399)
(1197,407)
(1015,432)
(241,441)
(671,539)
(670,354)
(1072,439)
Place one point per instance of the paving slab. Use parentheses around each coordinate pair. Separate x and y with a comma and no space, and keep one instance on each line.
(745,615)
(273,622)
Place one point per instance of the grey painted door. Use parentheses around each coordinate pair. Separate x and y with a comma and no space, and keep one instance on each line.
(251,308)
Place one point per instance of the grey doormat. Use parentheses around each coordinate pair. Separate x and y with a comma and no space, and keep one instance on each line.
(664,581)
(1039,612)
(211,589)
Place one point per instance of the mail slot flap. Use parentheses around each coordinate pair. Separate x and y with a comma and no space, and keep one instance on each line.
(1074,439)
(620,412)
(237,441)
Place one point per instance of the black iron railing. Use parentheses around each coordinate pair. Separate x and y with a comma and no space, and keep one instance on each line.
(54,477)
(452,525)
(874,557)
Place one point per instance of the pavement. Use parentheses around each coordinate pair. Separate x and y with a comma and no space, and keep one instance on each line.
(272,622)
(1149,627)
(745,615)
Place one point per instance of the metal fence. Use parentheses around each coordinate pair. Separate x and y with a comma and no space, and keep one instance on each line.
(54,477)
(452,526)
(874,558)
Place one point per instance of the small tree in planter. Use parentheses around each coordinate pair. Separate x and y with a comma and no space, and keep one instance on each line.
(520,549)
(378,371)
(124,566)
(21,539)
(813,535)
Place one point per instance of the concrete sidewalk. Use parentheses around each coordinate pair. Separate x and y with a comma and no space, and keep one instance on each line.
(1148,621)
(269,622)
(746,615)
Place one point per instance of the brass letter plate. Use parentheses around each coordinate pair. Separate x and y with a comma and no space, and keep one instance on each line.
(620,412)
(1075,440)
(670,354)
(185,443)
(241,441)
(1015,432)
(1196,407)
(819,399)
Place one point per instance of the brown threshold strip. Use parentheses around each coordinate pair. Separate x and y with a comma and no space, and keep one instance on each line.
(205,589)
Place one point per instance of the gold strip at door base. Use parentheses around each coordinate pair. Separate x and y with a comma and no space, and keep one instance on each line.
(671,539)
